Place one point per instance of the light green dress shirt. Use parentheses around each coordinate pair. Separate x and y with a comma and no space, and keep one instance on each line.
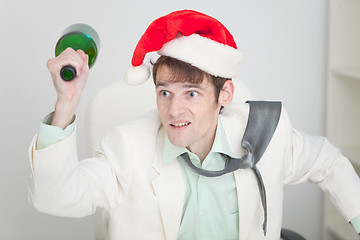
(201,217)
(210,208)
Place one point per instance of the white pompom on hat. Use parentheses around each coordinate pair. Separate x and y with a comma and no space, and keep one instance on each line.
(189,36)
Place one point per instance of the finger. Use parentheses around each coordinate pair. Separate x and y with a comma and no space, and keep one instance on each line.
(80,52)
(83,55)
(85,58)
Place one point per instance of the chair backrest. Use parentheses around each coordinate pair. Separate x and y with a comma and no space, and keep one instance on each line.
(120,102)
(115,103)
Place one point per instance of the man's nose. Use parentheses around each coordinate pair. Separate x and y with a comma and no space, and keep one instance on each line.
(177,106)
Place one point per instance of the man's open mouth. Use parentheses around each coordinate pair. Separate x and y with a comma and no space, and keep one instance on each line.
(180,124)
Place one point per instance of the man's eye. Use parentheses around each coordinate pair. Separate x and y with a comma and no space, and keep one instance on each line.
(192,94)
(164,93)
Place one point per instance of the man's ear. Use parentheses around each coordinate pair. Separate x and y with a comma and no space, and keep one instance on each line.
(226,93)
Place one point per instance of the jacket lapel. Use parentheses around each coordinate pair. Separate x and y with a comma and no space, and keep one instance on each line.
(248,202)
(169,190)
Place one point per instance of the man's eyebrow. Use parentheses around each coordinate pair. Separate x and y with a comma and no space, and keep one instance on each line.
(161,84)
(192,85)
(189,85)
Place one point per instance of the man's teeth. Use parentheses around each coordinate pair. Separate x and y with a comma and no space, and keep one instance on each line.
(179,124)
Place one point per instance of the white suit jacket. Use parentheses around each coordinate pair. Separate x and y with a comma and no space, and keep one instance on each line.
(144,198)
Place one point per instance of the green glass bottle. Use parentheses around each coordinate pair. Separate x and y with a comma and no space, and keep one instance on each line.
(78,36)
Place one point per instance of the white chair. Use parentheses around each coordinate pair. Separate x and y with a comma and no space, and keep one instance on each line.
(117,103)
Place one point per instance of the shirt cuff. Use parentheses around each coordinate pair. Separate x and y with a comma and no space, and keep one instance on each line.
(356,224)
(49,135)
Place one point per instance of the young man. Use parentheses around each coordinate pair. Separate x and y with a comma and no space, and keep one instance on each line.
(140,176)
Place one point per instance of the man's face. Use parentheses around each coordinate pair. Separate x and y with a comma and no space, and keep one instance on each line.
(189,112)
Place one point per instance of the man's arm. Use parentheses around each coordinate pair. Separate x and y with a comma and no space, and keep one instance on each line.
(55,168)
(59,124)
(68,92)
(316,160)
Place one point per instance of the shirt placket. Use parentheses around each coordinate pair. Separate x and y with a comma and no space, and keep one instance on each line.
(202,207)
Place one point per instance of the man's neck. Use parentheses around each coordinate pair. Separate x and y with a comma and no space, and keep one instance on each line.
(204,149)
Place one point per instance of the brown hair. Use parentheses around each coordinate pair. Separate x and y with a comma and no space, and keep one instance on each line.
(185,72)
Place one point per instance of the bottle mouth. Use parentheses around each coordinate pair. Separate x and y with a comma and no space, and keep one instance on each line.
(68,73)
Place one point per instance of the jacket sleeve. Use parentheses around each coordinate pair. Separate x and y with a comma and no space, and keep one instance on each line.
(315,159)
(61,185)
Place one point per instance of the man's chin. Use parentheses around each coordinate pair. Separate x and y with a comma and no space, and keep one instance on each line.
(177,142)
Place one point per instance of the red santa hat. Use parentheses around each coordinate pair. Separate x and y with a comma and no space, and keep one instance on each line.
(189,36)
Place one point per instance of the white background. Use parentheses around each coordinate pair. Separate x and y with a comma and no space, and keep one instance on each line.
(284,45)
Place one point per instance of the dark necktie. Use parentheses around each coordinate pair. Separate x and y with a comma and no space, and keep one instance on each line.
(262,122)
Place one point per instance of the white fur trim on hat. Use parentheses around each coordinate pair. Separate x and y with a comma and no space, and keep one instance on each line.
(137,75)
(210,56)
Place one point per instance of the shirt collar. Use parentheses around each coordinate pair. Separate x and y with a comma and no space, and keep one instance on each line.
(220,145)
